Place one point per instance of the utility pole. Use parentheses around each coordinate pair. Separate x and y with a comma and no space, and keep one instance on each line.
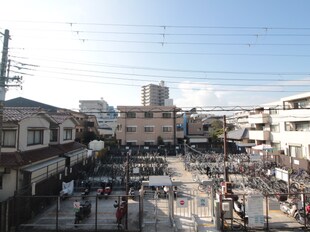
(225,150)
(4,61)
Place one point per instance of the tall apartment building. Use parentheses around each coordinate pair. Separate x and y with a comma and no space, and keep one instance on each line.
(105,114)
(154,95)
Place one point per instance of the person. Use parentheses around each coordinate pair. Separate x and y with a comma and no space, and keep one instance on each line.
(115,204)
(308,209)
(76,206)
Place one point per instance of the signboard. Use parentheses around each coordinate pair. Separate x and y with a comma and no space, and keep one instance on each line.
(182,202)
(281,174)
(255,211)
(255,157)
(202,202)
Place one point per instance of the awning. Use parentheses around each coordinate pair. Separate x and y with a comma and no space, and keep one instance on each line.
(245,144)
(263,147)
(160,181)
(45,164)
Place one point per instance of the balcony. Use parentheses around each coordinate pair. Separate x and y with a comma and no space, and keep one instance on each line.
(259,118)
(259,135)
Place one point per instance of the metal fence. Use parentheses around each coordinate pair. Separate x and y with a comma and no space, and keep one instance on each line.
(52,213)
(273,212)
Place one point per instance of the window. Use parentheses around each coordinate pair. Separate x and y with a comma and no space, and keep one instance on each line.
(131,129)
(9,138)
(296,151)
(166,115)
(119,127)
(53,135)
(35,137)
(67,134)
(149,129)
(130,114)
(275,128)
(167,128)
(148,114)
(131,143)
(302,126)
(148,143)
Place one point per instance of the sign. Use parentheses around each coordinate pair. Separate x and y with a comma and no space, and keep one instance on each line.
(202,202)
(255,157)
(281,174)
(255,211)
(182,202)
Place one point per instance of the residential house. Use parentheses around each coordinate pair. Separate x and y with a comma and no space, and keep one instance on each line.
(38,151)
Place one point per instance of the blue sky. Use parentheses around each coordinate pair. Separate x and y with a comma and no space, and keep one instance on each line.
(209,53)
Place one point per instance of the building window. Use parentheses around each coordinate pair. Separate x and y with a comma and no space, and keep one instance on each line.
(149,129)
(131,143)
(288,126)
(119,127)
(148,114)
(167,128)
(131,114)
(166,115)
(275,128)
(296,151)
(53,135)
(34,137)
(148,143)
(131,129)
(302,126)
(9,138)
(67,134)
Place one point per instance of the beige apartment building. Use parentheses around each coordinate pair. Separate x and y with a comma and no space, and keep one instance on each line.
(148,125)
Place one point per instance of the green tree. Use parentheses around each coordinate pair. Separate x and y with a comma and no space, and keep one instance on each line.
(160,140)
(216,129)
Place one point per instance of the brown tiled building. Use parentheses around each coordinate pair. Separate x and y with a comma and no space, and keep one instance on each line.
(146,125)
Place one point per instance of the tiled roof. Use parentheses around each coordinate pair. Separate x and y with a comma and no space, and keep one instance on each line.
(238,134)
(24,102)
(60,117)
(17,159)
(13,114)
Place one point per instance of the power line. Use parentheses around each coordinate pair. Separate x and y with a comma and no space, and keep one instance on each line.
(72,23)
(175,82)
(163,43)
(168,70)
(170,53)
(210,88)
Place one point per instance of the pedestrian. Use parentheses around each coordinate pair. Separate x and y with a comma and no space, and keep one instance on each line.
(308,209)
(76,206)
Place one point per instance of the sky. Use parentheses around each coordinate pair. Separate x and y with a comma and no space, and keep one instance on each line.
(210,53)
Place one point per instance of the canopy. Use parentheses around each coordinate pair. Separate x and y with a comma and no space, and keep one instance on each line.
(262,147)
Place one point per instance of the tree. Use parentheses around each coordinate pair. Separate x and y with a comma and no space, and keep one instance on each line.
(216,129)
(88,136)
(160,140)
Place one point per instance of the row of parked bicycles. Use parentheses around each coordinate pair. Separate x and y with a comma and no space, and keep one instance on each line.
(253,176)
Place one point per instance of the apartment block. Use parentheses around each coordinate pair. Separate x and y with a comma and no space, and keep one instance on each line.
(144,125)
(154,95)
(105,115)
(285,125)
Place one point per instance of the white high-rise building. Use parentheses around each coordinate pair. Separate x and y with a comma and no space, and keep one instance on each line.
(105,114)
(154,95)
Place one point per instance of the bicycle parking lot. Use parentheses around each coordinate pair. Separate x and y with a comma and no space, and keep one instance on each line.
(247,179)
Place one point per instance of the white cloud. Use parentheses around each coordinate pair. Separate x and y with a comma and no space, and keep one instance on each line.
(192,95)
